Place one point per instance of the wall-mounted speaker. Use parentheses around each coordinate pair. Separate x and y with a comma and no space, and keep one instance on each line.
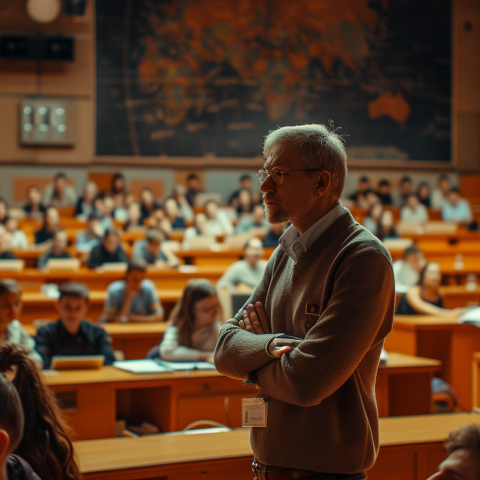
(37,47)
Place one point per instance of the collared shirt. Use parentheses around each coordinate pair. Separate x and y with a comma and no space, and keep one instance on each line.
(16,334)
(140,250)
(146,302)
(295,245)
(53,339)
(460,212)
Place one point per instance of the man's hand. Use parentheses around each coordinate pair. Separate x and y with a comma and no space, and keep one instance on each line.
(255,320)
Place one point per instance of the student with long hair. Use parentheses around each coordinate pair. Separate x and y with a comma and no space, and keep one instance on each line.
(425,297)
(194,325)
(45,444)
(12,467)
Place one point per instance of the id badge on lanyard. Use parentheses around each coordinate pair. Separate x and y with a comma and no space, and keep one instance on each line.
(254,412)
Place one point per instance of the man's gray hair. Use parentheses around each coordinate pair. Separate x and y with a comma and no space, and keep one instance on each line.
(322,149)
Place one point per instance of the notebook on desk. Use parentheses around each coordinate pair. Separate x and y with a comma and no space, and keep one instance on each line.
(161,366)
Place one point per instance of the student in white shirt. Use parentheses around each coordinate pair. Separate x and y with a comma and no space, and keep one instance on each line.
(414,211)
(11,329)
(407,270)
(194,325)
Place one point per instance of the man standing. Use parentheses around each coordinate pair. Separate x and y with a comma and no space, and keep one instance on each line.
(330,283)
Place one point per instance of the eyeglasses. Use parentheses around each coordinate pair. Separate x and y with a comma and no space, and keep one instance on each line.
(277,174)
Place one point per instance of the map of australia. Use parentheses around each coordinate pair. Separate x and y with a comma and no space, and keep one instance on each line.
(197,77)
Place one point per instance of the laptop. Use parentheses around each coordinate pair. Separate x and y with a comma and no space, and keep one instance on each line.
(11,265)
(77,362)
(63,264)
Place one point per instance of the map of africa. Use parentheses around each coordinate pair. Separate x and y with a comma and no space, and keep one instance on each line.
(196,77)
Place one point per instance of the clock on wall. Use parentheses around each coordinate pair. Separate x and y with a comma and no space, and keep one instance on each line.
(44,11)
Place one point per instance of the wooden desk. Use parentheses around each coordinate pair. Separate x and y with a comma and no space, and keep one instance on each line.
(170,400)
(36,305)
(443,339)
(134,339)
(173,400)
(168,278)
(458,296)
(476,380)
(222,258)
(403,385)
(410,449)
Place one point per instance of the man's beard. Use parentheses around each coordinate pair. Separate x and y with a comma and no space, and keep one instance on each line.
(279,216)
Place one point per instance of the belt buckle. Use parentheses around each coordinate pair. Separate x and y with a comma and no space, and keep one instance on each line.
(257,470)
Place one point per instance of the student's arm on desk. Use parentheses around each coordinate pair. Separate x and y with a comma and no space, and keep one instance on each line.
(358,316)
(172,351)
(239,352)
(415,300)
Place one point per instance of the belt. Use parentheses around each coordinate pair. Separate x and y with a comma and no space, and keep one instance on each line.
(268,472)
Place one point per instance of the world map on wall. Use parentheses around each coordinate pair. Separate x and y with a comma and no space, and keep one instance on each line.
(199,77)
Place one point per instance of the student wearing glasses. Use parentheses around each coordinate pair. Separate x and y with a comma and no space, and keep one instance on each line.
(330,284)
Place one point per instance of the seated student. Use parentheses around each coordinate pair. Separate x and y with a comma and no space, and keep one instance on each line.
(134,299)
(457,209)
(59,244)
(147,203)
(245,202)
(194,187)
(405,190)
(134,217)
(363,186)
(11,329)
(179,194)
(51,221)
(199,228)
(59,194)
(244,275)
(385,227)
(245,183)
(118,184)
(439,194)
(45,444)
(150,249)
(193,325)
(34,208)
(254,220)
(423,194)
(174,214)
(407,270)
(86,240)
(3,210)
(109,251)
(272,238)
(158,219)
(383,192)
(413,210)
(370,222)
(5,253)
(85,206)
(425,297)
(103,207)
(218,222)
(71,334)
(12,421)
(463,461)
(18,240)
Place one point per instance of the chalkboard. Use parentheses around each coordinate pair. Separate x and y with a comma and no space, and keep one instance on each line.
(193,77)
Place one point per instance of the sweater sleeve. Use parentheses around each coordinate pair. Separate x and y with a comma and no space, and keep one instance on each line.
(172,351)
(239,352)
(358,316)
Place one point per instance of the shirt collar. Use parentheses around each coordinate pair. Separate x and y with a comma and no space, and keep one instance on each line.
(295,245)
